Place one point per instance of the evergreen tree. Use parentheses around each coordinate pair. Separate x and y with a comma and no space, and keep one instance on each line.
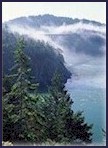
(28,117)
(22,121)
(63,125)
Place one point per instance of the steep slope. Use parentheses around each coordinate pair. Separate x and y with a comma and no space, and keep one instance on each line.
(45,60)
(78,44)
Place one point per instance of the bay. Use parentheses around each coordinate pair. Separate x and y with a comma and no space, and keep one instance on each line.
(92,101)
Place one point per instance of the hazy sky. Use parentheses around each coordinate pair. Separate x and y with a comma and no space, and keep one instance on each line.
(89,10)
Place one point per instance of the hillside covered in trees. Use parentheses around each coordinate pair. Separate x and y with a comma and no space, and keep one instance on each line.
(38,118)
(42,55)
(45,59)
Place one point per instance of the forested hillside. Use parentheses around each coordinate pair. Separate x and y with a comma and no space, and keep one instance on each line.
(53,74)
(43,56)
(45,59)
(35,118)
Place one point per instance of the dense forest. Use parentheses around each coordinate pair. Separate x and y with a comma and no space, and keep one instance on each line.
(31,116)
(45,59)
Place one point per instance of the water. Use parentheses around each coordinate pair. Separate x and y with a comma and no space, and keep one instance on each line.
(91,100)
(87,86)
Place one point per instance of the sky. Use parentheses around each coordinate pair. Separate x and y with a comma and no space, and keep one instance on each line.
(88,10)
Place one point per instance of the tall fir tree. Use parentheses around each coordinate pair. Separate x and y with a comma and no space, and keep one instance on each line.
(22,121)
(63,125)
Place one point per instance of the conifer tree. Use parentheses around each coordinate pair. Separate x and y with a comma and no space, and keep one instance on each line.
(63,125)
(24,122)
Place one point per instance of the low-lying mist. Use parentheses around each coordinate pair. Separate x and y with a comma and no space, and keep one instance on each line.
(82,45)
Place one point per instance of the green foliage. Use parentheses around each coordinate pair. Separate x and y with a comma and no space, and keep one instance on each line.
(104,132)
(32,117)
(44,59)
(20,114)
(62,124)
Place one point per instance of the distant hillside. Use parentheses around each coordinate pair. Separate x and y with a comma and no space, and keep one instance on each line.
(48,20)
